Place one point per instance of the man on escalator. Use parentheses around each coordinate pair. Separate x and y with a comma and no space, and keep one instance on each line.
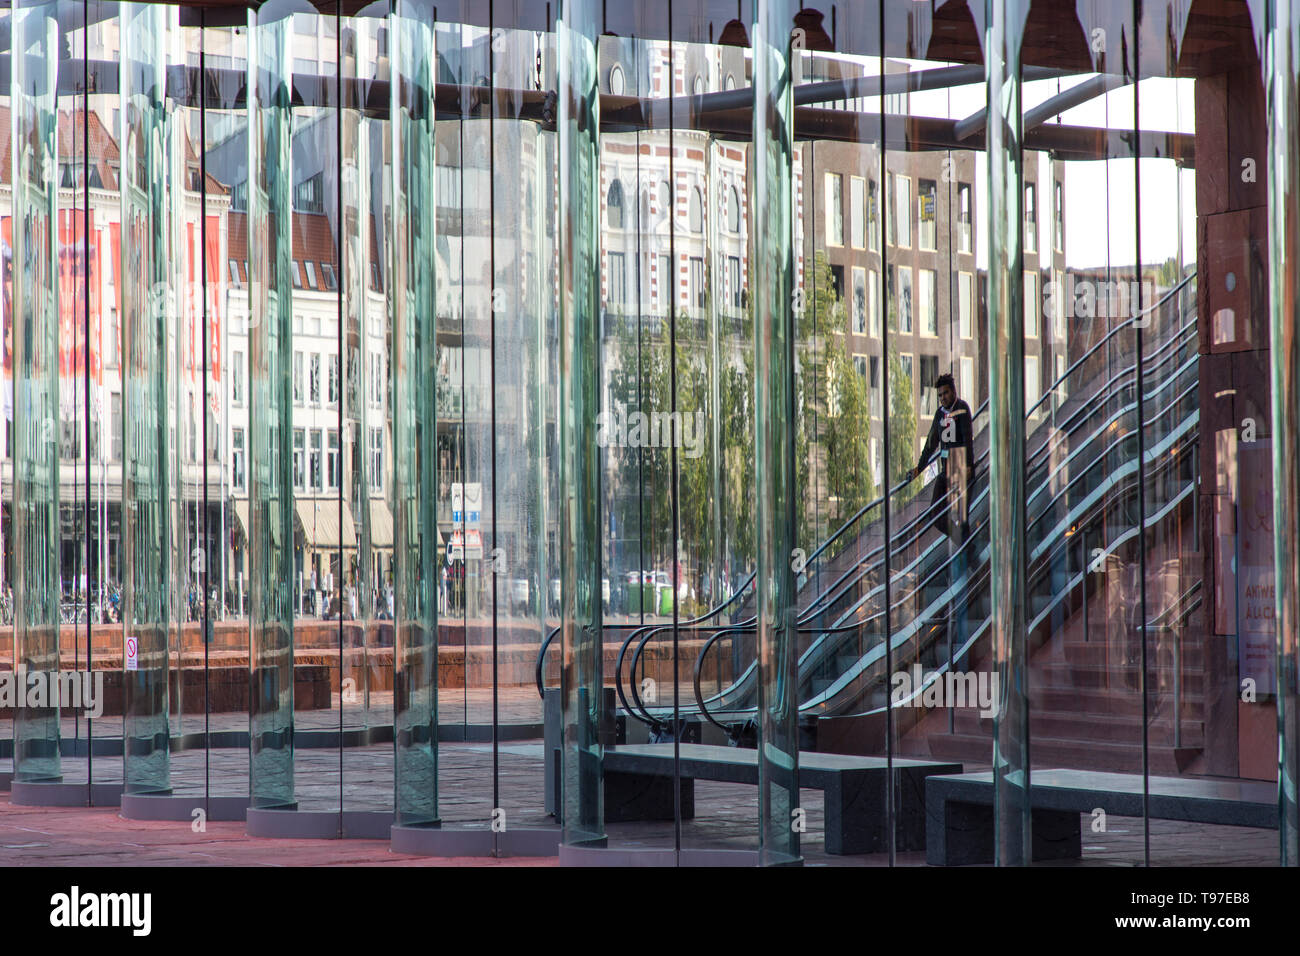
(951,438)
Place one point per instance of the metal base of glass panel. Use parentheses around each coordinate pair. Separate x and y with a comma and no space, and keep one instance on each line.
(435,841)
(30,794)
(291,823)
(176,808)
(620,856)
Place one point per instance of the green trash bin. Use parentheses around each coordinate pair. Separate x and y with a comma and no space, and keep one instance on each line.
(665,600)
(634,598)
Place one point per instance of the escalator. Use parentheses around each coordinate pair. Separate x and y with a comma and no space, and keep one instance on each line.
(1081,478)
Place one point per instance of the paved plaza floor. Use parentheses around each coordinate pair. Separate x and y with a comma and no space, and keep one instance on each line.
(725,818)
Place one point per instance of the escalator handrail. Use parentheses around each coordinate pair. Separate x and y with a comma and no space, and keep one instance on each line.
(701,703)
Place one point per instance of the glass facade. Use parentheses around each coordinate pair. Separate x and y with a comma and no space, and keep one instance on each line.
(677,432)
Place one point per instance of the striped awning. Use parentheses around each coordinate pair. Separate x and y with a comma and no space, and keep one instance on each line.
(325,523)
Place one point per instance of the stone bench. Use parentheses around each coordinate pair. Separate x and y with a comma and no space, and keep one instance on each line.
(639,786)
(959,809)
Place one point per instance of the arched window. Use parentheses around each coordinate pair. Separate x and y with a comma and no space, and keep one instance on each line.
(614,204)
(616,81)
(733,210)
(731,82)
(699,84)
(696,211)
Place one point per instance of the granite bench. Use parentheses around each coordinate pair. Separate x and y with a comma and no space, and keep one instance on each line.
(639,786)
(959,809)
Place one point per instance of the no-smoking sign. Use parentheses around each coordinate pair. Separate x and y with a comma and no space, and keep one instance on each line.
(132,654)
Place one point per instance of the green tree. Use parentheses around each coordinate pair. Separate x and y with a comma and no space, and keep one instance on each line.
(840,403)
(902,424)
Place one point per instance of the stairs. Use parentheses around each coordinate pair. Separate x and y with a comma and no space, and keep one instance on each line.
(1085,701)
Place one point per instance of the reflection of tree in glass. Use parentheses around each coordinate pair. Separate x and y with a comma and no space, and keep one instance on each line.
(902,425)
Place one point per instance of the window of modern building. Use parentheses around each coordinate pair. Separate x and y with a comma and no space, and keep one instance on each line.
(929,394)
(857,211)
(966,384)
(965,303)
(874,384)
(859,301)
(1033,306)
(837,281)
(834,209)
(964,217)
(873,217)
(873,302)
(1033,383)
(1058,305)
(903,210)
(1058,219)
(905,299)
(907,385)
(1031,218)
(927,206)
(928,301)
